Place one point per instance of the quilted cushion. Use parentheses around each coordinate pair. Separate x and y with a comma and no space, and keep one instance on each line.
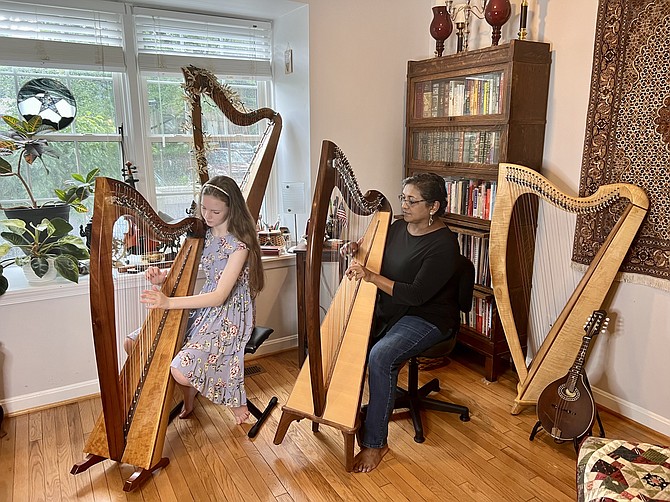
(617,470)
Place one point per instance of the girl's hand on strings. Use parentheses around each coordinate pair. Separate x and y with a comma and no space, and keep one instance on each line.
(154,299)
(155,275)
(357,271)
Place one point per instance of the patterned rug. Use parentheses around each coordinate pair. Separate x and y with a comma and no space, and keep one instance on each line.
(628,132)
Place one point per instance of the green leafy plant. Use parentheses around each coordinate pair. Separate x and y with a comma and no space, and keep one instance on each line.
(78,189)
(44,244)
(22,139)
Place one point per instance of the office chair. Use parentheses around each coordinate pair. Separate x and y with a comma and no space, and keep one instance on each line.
(258,336)
(415,398)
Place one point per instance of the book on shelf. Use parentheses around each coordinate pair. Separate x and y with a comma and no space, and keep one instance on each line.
(470,197)
(480,317)
(272,250)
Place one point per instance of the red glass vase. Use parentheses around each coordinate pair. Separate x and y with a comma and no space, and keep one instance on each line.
(440,27)
(497,13)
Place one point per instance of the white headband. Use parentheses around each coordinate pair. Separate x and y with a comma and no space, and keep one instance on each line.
(218,188)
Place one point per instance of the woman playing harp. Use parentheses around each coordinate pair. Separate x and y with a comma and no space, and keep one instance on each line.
(417,306)
(328,388)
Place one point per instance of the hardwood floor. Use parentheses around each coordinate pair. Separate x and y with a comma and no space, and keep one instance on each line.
(487,459)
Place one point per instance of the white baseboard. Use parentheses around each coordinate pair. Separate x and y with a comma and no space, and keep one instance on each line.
(53,396)
(49,397)
(632,411)
(274,345)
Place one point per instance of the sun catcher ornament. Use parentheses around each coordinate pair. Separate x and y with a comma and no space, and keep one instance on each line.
(49,99)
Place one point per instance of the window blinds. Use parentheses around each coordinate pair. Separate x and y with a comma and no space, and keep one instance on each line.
(167,41)
(55,36)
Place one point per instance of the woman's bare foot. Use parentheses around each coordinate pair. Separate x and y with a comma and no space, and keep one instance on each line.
(241,414)
(368,458)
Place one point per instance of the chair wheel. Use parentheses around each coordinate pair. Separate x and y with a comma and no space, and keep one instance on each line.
(419,439)
(465,417)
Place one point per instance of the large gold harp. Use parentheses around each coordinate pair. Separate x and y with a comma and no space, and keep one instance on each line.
(136,399)
(200,82)
(511,253)
(329,386)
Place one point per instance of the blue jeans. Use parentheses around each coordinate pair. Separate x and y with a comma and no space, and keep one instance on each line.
(407,338)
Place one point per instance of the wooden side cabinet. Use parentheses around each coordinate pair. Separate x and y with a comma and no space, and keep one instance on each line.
(466,113)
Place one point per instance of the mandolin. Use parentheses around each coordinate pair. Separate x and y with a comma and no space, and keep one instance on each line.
(565,408)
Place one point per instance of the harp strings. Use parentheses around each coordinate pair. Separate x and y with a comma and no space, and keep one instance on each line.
(338,293)
(545,263)
(133,252)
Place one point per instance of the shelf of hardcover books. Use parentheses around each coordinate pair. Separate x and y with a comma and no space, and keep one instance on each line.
(477,94)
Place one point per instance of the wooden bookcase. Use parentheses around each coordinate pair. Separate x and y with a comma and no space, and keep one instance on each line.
(466,113)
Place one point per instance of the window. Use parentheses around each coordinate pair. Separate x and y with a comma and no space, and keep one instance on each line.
(230,147)
(238,52)
(84,49)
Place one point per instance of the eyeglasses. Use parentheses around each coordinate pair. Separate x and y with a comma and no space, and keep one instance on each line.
(409,202)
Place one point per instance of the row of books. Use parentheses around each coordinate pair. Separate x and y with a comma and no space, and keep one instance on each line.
(480,317)
(473,95)
(473,147)
(471,197)
(476,248)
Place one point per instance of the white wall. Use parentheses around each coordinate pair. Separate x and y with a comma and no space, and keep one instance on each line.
(292,99)
(358,65)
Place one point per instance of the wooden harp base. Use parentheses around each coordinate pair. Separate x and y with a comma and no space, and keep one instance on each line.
(349,435)
(134,481)
(141,475)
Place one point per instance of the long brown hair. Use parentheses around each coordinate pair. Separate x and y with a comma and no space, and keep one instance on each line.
(240,223)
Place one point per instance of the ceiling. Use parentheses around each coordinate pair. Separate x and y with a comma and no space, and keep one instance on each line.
(255,9)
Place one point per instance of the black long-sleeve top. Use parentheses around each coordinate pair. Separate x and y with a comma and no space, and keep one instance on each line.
(424,270)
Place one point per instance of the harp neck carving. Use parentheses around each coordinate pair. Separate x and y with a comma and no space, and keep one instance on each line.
(526,180)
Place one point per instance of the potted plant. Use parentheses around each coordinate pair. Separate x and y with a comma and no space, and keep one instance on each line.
(22,140)
(77,190)
(46,247)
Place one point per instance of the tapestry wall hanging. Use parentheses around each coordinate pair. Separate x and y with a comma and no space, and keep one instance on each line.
(628,132)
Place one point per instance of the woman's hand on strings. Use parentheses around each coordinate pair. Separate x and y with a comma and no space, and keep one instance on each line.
(155,275)
(154,299)
(349,248)
(357,271)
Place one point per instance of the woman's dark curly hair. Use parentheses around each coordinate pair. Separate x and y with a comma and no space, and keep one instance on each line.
(432,188)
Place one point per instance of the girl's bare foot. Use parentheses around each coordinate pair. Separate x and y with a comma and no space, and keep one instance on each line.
(369,458)
(185,412)
(241,414)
